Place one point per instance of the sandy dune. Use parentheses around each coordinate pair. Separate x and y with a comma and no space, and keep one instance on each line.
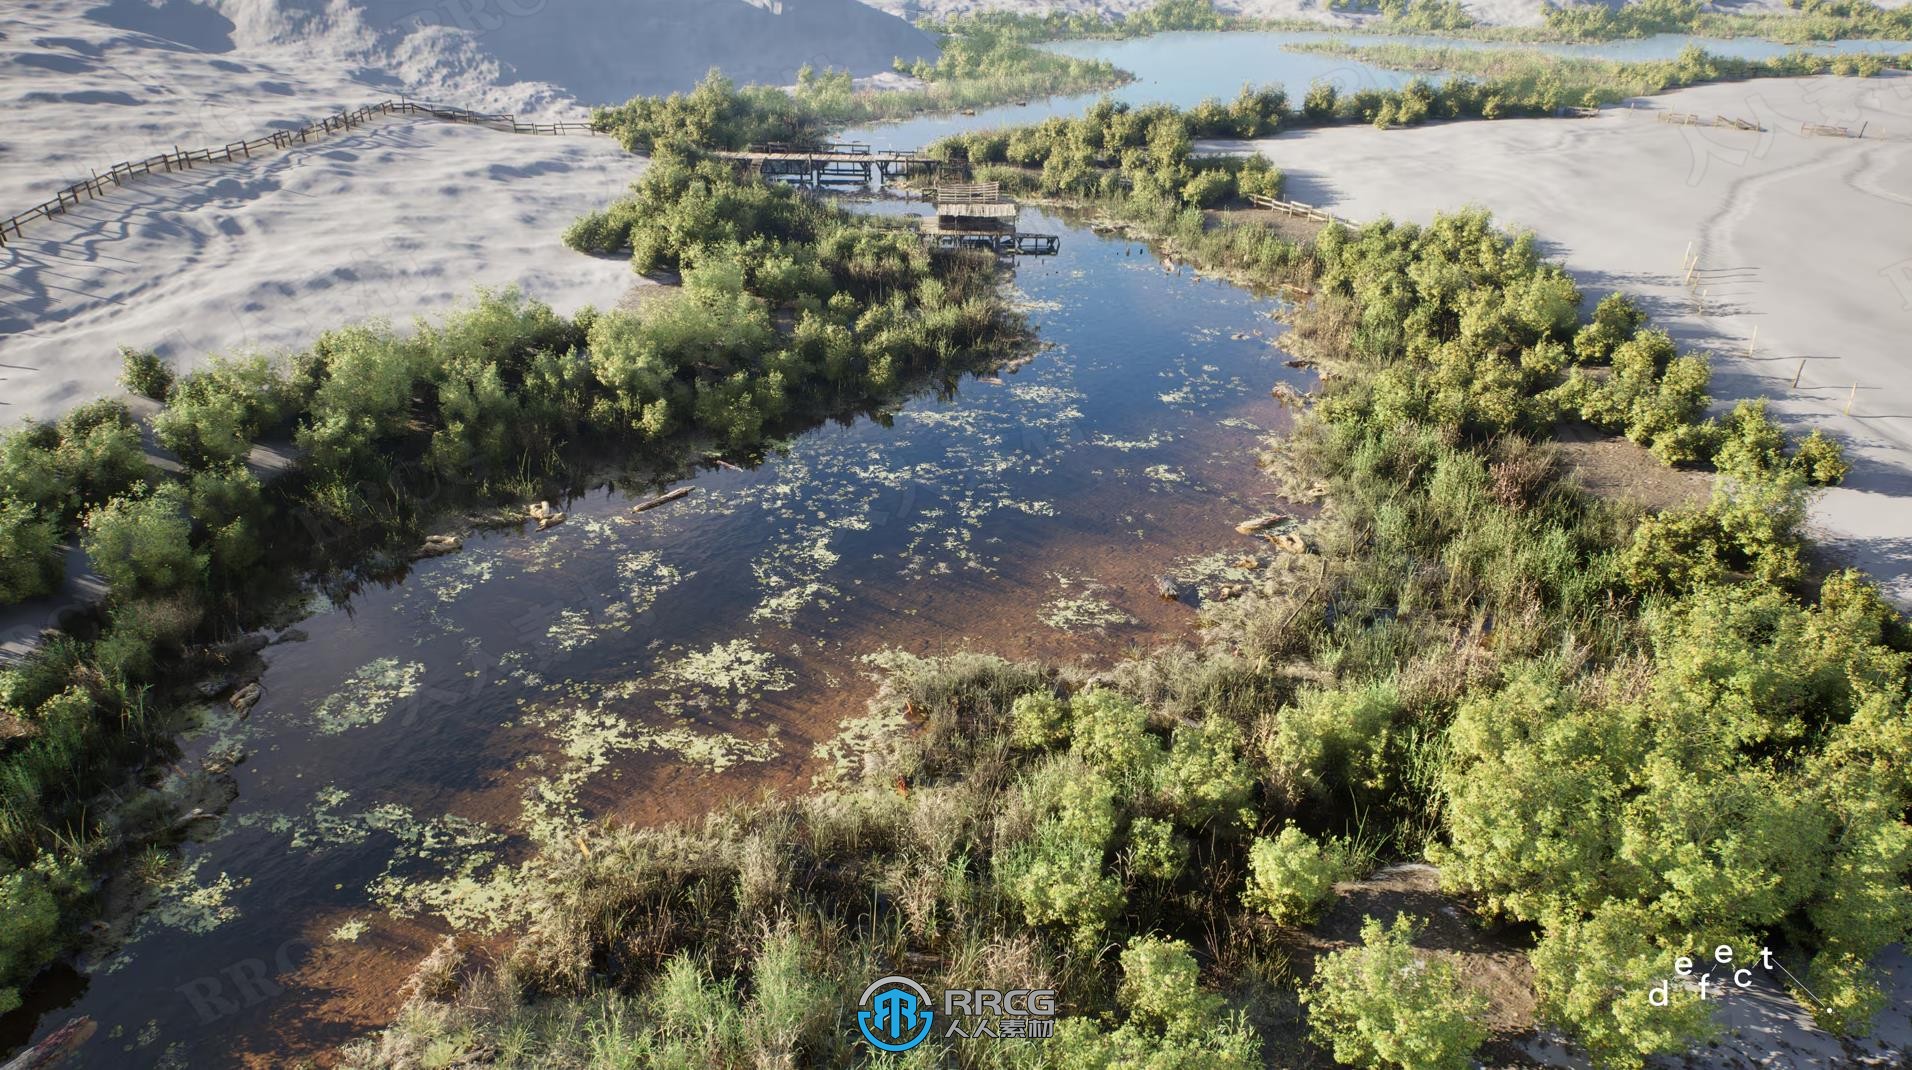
(399,218)
(1807,239)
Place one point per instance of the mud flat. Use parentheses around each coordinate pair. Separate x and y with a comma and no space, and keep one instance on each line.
(1807,239)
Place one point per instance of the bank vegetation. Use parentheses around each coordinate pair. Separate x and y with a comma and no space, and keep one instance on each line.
(1622,734)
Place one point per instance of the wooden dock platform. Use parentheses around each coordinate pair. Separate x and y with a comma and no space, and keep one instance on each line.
(975,215)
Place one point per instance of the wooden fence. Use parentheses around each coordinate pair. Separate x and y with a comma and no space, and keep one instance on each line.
(1686,119)
(1823,130)
(1297,208)
(185,159)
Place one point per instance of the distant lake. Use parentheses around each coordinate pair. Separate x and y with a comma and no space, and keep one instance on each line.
(1186,68)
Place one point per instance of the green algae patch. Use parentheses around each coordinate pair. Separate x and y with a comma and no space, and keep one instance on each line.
(1081,607)
(368,695)
(845,755)
(184,902)
(735,666)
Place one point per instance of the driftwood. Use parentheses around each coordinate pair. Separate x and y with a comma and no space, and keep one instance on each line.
(246,697)
(439,545)
(545,515)
(1261,523)
(661,499)
(1287,542)
(58,1046)
(1287,395)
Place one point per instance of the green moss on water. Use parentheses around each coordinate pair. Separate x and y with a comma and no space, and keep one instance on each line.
(368,695)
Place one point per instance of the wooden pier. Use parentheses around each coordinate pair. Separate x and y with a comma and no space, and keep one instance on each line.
(837,163)
(976,216)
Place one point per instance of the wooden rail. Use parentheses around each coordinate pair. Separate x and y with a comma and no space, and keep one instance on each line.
(1297,208)
(1685,119)
(1823,130)
(185,159)
(968,193)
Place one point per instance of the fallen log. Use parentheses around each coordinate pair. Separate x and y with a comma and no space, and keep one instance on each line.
(1261,523)
(58,1046)
(439,545)
(661,499)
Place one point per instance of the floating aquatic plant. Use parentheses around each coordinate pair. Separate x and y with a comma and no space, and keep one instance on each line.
(368,695)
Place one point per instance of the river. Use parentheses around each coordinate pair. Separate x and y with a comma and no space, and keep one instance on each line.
(418,741)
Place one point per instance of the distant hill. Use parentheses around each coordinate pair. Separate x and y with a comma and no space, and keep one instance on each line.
(527,54)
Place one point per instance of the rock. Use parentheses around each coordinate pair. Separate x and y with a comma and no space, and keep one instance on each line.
(223,761)
(1287,395)
(246,697)
(1262,523)
(243,647)
(545,515)
(662,499)
(213,686)
(1167,589)
(439,545)
(292,635)
(1227,591)
(1249,563)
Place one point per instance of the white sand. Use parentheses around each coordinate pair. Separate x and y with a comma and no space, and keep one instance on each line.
(398,218)
(1807,239)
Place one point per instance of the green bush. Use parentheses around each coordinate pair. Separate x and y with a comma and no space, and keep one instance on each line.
(1383,1007)
(1058,876)
(1038,720)
(143,373)
(31,471)
(1109,733)
(1204,778)
(100,452)
(32,899)
(1172,1023)
(1328,739)
(1155,851)
(144,545)
(31,553)
(1821,460)
(1291,877)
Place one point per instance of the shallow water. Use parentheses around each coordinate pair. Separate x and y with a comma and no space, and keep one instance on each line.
(1186,68)
(646,666)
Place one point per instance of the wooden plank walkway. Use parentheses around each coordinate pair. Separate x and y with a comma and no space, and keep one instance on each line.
(186,159)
